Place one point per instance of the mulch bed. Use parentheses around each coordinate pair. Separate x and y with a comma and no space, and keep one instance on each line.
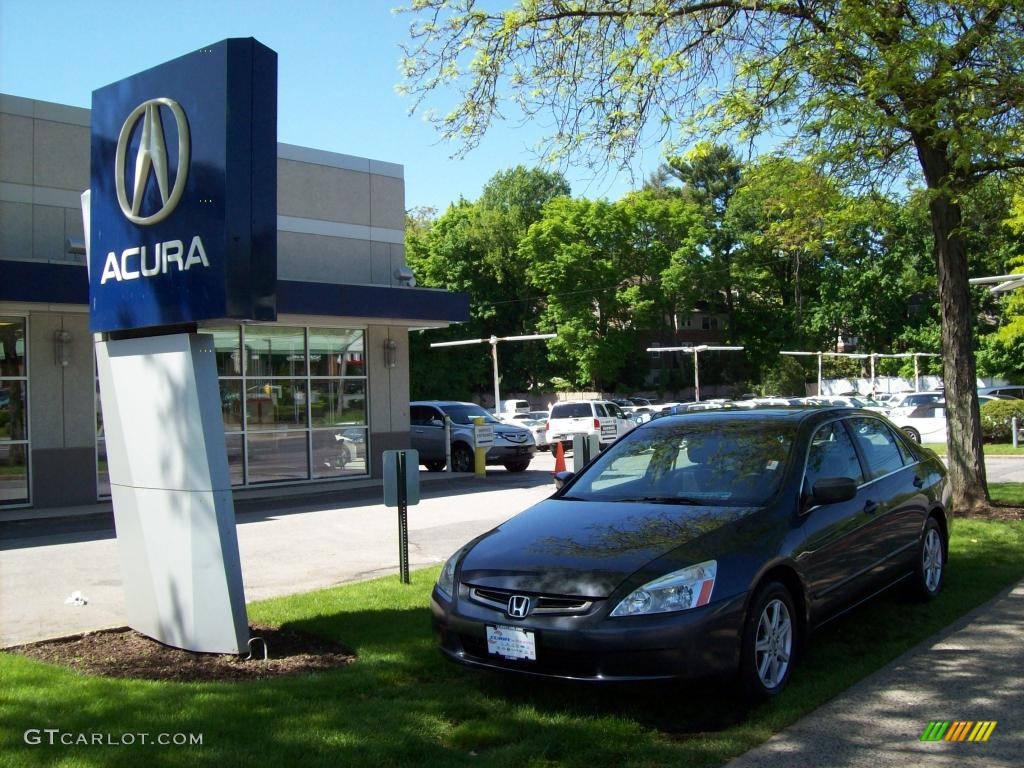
(996,512)
(126,653)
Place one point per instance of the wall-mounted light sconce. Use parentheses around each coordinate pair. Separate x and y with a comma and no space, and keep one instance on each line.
(390,353)
(75,246)
(405,276)
(62,348)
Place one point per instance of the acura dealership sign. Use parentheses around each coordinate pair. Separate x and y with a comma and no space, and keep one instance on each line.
(184,192)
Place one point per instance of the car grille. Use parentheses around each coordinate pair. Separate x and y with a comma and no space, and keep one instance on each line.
(540,604)
(514,437)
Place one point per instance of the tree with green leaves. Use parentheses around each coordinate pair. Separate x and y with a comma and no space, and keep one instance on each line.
(877,90)
(600,266)
(1002,352)
(473,247)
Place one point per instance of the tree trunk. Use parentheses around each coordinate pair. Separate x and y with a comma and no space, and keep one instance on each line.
(963,420)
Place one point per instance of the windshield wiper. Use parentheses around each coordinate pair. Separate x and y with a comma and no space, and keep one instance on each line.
(659,500)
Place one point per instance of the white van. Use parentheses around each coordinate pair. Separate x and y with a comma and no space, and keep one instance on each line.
(514,406)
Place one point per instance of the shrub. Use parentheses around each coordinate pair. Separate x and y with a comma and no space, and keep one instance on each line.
(996,419)
(786,378)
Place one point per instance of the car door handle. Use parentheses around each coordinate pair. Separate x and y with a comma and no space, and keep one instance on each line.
(918,481)
(871,507)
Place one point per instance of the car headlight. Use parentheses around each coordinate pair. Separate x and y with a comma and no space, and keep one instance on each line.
(446,581)
(677,591)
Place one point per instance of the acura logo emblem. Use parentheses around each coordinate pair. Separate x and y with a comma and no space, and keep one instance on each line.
(151,158)
(518,606)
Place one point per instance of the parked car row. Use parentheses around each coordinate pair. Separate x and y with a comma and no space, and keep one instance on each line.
(520,432)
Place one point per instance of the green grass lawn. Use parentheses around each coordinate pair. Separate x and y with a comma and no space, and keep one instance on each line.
(989,449)
(402,704)
(1007,494)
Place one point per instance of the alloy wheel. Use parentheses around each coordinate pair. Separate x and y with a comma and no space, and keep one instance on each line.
(773,646)
(931,560)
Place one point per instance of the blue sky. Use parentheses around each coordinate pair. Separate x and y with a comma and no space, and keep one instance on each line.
(337,71)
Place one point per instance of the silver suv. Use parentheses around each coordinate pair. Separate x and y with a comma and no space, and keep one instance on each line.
(513,446)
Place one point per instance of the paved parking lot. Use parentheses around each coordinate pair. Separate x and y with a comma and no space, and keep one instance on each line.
(286,547)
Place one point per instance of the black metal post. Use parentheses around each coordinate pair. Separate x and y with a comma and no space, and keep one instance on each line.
(403,520)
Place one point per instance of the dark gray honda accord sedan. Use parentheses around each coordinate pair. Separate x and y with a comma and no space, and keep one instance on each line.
(701,544)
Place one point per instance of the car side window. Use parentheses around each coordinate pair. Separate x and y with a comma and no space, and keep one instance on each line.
(878,444)
(419,415)
(908,456)
(600,409)
(831,454)
(425,416)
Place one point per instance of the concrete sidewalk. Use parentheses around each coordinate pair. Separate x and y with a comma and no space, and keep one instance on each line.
(971,671)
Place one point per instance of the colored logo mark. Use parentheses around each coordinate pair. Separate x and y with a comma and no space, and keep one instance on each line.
(959,730)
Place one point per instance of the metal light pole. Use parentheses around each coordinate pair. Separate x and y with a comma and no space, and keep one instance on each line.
(493,341)
(871,355)
(800,354)
(695,351)
(830,354)
(1000,283)
(915,355)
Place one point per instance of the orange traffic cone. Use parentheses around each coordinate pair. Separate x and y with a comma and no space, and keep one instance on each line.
(559,457)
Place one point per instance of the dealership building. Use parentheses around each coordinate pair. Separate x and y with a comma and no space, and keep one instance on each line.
(308,402)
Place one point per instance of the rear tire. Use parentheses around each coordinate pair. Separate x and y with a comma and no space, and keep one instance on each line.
(912,433)
(434,466)
(769,643)
(931,562)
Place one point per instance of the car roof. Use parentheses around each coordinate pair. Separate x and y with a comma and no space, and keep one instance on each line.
(442,402)
(779,413)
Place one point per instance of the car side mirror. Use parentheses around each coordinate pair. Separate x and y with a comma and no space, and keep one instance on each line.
(561,478)
(830,490)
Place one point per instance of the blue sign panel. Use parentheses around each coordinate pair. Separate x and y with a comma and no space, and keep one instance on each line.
(184,191)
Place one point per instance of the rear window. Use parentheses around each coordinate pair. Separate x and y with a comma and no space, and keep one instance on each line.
(571,411)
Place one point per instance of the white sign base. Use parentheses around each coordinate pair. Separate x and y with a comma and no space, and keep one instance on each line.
(171,492)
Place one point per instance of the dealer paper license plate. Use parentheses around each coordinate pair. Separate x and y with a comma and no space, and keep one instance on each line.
(511,643)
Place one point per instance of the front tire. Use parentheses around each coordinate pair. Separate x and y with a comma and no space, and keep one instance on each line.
(517,466)
(769,643)
(931,561)
(434,466)
(462,458)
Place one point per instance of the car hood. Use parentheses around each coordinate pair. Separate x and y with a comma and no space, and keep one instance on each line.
(509,428)
(588,549)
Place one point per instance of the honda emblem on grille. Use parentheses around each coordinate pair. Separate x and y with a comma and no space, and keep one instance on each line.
(518,606)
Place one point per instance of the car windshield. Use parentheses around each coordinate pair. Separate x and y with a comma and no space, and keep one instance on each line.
(733,464)
(465,413)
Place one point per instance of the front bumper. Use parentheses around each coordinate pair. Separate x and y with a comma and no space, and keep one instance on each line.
(683,646)
(500,454)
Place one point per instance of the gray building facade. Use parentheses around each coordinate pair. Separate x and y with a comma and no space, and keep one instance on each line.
(312,399)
